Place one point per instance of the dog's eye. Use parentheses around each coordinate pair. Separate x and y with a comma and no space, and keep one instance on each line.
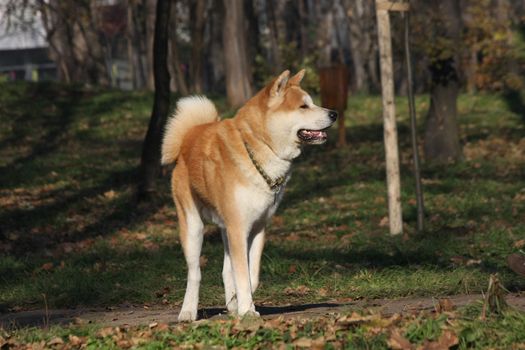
(305,106)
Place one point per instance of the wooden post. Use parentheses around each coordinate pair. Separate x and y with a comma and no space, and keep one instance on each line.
(389,118)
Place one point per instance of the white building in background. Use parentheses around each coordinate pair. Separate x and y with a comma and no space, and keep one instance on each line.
(24,51)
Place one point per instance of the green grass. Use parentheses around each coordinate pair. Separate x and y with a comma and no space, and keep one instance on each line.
(71,234)
(364,330)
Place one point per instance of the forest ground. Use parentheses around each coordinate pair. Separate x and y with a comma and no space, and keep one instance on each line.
(72,236)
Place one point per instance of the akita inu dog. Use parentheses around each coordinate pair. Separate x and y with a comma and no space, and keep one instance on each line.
(233,172)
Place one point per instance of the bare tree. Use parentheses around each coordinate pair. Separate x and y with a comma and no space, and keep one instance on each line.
(150,161)
(135,42)
(72,30)
(360,30)
(197,21)
(178,80)
(149,32)
(238,68)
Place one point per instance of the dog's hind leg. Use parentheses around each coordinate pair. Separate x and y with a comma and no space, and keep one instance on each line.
(238,248)
(227,277)
(191,234)
(256,249)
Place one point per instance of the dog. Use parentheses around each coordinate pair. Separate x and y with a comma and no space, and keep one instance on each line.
(233,172)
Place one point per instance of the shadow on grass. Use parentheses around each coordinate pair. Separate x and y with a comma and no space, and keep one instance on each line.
(120,213)
(55,122)
(210,312)
(515,102)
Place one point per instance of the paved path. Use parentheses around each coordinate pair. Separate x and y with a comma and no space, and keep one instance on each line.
(138,315)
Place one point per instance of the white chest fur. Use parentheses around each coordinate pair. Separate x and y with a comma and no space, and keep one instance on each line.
(257,205)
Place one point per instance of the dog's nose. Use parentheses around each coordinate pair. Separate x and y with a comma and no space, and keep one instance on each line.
(332,115)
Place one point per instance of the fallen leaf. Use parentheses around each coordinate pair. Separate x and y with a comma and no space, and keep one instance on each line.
(303,343)
(519,244)
(384,222)
(444,305)
(74,340)
(124,344)
(277,220)
(318,344)
(105,332)
(292,269)
(458,260)
(110,194)
(203,261)
(274,322)
(398,342)
(163,292)
(249,323)
(47,266)
(55,341)
(163,327)
(356,318)
(447,340)
(292,237)
(153,325)
(141,236)
(37,346)
(150,246)
(298,291)
(471,262)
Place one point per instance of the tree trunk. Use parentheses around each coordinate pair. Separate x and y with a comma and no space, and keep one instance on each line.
(197,21)
(303,27)
(173,56)
(150,161)
(215,50)
(150,24)
(49,21)
(237,66)
(135,43)
(389,120)
(275,54)
(441,132)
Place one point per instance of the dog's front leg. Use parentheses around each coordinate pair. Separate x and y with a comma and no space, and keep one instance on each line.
(227,277)
(256,249)
(238,247)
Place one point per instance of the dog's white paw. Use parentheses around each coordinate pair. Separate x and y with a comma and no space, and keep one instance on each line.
(187,316)
(250,314)
(232,306)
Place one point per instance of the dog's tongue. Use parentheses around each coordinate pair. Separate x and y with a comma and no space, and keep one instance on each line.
(313,134)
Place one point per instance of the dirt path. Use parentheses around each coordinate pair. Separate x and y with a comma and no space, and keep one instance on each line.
(138,315)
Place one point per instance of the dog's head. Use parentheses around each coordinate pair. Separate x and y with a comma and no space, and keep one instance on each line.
(292,119)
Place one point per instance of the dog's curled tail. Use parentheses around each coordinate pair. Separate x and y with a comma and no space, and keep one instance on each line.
(191,111)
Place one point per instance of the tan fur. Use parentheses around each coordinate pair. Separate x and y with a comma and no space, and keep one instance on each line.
(215,178)
(191,111)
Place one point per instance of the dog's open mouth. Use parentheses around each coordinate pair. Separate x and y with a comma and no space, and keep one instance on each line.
(312,136)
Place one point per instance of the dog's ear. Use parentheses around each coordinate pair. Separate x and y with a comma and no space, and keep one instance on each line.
(279,84)
(296,79)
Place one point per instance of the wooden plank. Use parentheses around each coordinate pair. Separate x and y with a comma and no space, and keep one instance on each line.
(389,123)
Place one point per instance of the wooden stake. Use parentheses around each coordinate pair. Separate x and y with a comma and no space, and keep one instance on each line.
(389,120)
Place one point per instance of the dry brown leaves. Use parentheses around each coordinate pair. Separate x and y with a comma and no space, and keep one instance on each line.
(297,291)
(447,340)
(496,147)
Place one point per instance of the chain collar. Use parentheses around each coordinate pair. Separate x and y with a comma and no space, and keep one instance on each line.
(274,185)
